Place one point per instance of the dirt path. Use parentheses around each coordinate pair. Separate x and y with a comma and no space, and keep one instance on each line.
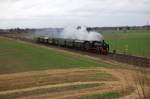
(53,86)
(120,79)
(113,86)
(73,94)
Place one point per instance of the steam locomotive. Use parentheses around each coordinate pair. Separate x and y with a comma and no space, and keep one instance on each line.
(100,47)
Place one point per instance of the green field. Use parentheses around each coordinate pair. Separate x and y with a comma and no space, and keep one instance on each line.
(16,56)
(130,42)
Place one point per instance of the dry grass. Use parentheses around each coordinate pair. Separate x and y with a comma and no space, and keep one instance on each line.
(142,82)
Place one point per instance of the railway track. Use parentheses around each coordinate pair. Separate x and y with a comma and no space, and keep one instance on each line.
(133,60)
(129,59)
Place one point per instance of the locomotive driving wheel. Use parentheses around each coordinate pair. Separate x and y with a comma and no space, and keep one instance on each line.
(98,50)
(87,46)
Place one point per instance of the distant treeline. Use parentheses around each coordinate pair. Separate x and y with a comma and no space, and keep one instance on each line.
(99,29)
(16,30)
(29,30)
(121,28)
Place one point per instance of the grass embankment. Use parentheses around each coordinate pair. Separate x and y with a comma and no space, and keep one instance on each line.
(17,57)
(130,42)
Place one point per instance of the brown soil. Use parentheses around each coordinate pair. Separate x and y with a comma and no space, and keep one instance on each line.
(51,83)
(47,77)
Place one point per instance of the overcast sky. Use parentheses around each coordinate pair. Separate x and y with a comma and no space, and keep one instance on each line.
(58,13)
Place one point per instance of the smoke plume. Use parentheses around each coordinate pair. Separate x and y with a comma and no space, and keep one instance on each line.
(81,34)
(70,33)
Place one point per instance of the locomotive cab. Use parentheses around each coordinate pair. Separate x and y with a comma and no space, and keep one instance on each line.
(105,48)
(101,46)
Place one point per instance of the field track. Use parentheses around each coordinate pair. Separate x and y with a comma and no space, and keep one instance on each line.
(133,60)
(62,89)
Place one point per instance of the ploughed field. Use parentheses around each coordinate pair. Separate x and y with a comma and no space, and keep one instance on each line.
(135,42)
(30,71)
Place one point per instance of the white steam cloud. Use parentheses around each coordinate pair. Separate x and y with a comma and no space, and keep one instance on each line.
(81,34)
(70,33)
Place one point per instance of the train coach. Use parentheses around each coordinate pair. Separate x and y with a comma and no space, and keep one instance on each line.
(100,47)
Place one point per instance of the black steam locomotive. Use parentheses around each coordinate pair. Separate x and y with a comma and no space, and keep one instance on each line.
(100,47)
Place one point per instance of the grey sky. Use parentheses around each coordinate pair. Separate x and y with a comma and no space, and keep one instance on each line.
(52,13)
